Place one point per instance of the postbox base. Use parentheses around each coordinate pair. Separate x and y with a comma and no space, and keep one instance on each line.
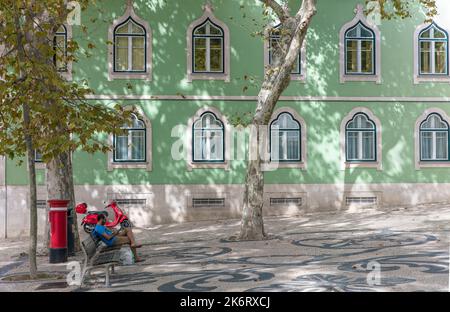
(58,255)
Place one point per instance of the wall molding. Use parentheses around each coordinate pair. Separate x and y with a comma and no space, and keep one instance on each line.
(282,98)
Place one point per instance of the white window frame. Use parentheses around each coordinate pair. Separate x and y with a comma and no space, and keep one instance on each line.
(419,164)
(225,75)
(191,164)
(147,75)
(420,78)
(360,139)
(377,164)
(130,142)
(302,164)
(373,77)
(208,38)
(302,58)
(130,37)
(208,140)
(148,164)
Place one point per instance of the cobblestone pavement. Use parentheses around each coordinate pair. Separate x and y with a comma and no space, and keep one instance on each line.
(342,251)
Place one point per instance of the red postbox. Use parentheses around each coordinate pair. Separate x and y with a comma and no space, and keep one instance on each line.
(58,230)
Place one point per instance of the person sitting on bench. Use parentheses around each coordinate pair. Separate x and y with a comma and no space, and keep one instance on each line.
(116,238)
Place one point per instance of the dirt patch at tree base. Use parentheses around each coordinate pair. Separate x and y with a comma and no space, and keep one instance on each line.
(25,277)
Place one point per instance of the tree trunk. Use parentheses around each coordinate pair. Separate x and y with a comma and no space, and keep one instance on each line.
(60,183)
(32,194)
(76,234)
(276,80)
(252,225)
(30,158)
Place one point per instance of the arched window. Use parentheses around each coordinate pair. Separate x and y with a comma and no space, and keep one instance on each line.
(274,39)
(433,51)
(131,146)
(208,48)
(434,138)
(285,139)
(359,50)
(208,139)
(60,48)
(130,47)
(360,139)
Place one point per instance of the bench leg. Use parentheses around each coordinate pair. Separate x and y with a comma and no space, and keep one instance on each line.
(83,276)
(112,269)
(107,281)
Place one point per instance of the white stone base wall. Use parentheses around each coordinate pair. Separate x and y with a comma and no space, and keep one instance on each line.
(174,203)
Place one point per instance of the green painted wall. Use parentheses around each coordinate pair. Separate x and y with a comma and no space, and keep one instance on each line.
(323,122)
(169,21)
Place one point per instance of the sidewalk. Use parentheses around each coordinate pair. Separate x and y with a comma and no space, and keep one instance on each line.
(319,252)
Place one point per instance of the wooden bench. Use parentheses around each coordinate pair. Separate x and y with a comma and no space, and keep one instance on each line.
(98,257)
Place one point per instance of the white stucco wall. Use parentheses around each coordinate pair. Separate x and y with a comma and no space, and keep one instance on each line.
(173,203)
(2,198)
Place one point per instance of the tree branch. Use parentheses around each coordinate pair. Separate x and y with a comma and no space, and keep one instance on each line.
(281,12)
(307,10)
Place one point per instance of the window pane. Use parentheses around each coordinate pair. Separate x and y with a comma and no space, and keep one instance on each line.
(297,68)
(60,46)
(122,29)
(426,34)
(352,145)
(136,29)
(368,146)
(274,42)
(121,53)
(365,33)
(293,145)
(139,53)
(366,56)
(216,55)
(275,145)
(282,145)
(352,60)
(199,54)
(216,145)
(427,145)
(37,156)
(213,30)
(200,30)
(425,57)
(138,145)
(198,145)
(438,34)
(441,145)
(122,148)
(440,49)
(352,33)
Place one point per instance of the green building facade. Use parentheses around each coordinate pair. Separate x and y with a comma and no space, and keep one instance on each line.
(363,125)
